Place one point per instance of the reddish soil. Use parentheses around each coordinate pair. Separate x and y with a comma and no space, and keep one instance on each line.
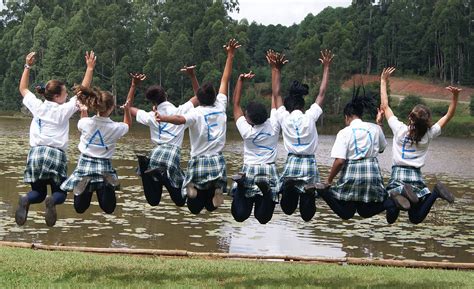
(403,86)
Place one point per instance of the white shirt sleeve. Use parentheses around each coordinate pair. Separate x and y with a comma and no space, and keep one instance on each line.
(121,128)
(221,101)
(340,147)
(32,103)
(144,117)
(434,130)
(191,118)
(281,113)
(83,123)
(184,108)
(314,111)
(274,120)
(395,124)
(69,108)
(243,126)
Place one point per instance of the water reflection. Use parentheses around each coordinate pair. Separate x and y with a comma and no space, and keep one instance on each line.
(447,233)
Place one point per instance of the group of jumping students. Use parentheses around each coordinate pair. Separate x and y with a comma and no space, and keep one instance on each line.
(258,185)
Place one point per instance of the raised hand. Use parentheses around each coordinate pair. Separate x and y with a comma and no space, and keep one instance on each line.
(231,46)
(275,59)
(30,58)
(386,73)
(247,76)
(188,69)
(90,59)
(326,57)
(137,78)
(454,90)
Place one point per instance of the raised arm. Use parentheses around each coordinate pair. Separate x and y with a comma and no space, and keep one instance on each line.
(383,91)
(137,78)
(276,61)
(90,62)
(230,48)
(452,106)
(335,169)
(238,93)
(173,119)
(127,116)
(25,77)
(326,59)
(189,70)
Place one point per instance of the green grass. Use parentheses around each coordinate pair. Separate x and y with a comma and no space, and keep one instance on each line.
(30,268)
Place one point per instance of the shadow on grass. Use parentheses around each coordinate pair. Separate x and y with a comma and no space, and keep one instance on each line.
(137,277)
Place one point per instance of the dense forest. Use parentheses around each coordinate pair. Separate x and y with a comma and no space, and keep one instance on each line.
(429,38)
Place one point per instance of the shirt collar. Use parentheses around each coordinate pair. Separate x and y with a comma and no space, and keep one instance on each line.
(355,121)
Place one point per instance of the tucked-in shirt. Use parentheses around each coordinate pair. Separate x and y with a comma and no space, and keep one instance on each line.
(163,132)
(99,136)
(405,152)
(359,140)
(299,129)
(50,124)
(207,127)
(260,141)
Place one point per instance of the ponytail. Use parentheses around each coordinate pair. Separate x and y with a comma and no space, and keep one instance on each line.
(94,99)
(419,123)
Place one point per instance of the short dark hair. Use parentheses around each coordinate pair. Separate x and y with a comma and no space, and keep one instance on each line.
(295,99)
(256,112)
(360,103)
(206,94)
(156,94)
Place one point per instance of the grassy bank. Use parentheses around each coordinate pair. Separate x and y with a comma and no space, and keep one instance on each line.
(29,268)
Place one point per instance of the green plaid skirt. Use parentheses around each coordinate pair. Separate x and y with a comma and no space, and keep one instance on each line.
(254,173)
(407,175)
(360,181)
(89,167)
(303,168)
(205,169)
(168,156)
(45,163)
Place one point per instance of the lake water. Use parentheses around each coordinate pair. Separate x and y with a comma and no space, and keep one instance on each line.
(446,234)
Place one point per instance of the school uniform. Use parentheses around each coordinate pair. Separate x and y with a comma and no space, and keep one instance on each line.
(260,152)
(167,153)
(207,131)
(49,137)
(360,185)
(407,160)
(99,136)
(300,139)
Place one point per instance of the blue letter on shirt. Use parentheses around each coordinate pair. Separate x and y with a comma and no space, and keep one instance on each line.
(209,126)
(262,135)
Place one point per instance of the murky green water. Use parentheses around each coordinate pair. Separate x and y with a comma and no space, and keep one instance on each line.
(447,233)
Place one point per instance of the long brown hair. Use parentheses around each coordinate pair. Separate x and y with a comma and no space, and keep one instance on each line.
(52,88)
(419,122)
(94,98)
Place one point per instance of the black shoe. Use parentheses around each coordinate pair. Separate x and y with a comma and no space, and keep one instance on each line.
(50,213)
(81,186)
(321,188)
(408,193)
(443,192)
(22,211)
(401,202)
(110,180)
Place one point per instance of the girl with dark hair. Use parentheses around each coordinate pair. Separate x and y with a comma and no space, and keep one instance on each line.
(206,177)
(360,186)
(300,138)
(162,167)
(49,137)
(99,136)
(258,182)
(410,146)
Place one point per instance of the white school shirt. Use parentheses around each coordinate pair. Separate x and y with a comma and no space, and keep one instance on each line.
(50,124)
(359,140)
(260,141)
(207,127)
(404,153)
(163,132)
(99,136)
(299,129)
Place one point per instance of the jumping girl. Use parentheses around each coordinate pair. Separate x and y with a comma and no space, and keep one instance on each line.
(410,146)
(206,177)
(49,137)
(300,138)
(99,135)
(258,182)
(163,165)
